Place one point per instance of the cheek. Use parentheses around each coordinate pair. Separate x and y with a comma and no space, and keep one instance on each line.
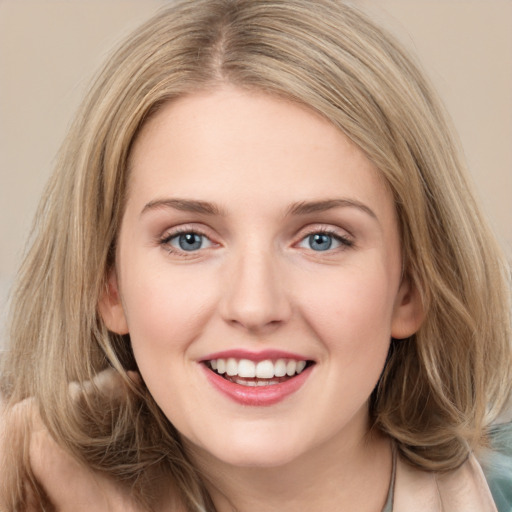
(351,311)
(166,310)
(351,315)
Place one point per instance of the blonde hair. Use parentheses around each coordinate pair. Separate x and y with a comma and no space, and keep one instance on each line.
(440,388)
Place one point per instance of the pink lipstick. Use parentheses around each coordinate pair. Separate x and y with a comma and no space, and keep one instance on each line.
(256,378)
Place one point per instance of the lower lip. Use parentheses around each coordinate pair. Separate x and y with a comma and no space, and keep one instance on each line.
(257,395)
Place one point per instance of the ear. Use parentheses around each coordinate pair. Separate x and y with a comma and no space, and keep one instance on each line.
(111,308)
(408,311)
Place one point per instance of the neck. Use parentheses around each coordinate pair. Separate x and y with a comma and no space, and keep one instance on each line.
(334,476)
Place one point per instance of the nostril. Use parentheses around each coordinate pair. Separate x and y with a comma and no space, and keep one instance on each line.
(254,297)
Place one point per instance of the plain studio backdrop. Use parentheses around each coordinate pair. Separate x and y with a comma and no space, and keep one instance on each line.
(50,49)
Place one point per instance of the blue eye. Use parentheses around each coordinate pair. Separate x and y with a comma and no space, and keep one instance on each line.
(188,241)
(323,242)
(320,241)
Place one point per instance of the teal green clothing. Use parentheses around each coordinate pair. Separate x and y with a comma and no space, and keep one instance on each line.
(388,507)
(497,466)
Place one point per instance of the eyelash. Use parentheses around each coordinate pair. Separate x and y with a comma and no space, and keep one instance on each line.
(166,239)
(344,241)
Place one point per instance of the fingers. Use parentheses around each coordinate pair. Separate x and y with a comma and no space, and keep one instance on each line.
(108,383)
(69,484)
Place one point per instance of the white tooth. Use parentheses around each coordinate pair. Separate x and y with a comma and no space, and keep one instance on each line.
(291,367)
(300,366)
(280,368)
(246,368)
(221,366)
(267,382)
(213,364)
(265,369)
(246,382)
(231,366)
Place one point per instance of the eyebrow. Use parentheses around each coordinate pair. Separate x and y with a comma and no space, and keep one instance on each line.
(300,208)
(185,205)
(307,207)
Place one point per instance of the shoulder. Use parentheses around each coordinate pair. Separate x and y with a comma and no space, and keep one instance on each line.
(462,490)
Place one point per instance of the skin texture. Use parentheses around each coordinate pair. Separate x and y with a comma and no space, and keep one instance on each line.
(256,283)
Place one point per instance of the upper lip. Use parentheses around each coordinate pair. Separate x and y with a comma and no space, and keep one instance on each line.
(256,356)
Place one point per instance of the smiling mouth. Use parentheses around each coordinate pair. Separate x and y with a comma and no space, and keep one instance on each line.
(263,373)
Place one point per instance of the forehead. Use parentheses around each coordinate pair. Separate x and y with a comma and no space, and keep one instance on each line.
(223,144)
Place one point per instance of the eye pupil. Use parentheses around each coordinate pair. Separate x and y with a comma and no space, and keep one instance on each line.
(190,241)
(320,241)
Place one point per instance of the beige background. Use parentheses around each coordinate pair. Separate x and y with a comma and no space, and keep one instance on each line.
(50,49)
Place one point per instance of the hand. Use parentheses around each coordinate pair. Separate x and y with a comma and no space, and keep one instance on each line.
(69,484)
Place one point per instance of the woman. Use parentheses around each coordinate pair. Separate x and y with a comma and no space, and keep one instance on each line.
(259,279)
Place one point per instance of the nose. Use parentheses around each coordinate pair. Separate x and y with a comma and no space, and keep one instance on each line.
(254,296)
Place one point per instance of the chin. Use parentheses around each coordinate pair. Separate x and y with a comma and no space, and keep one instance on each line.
(256,459)
(247,451)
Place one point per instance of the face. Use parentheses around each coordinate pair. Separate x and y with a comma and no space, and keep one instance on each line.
(258,273)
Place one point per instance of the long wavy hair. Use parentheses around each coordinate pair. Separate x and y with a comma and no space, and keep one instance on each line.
(440,388)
